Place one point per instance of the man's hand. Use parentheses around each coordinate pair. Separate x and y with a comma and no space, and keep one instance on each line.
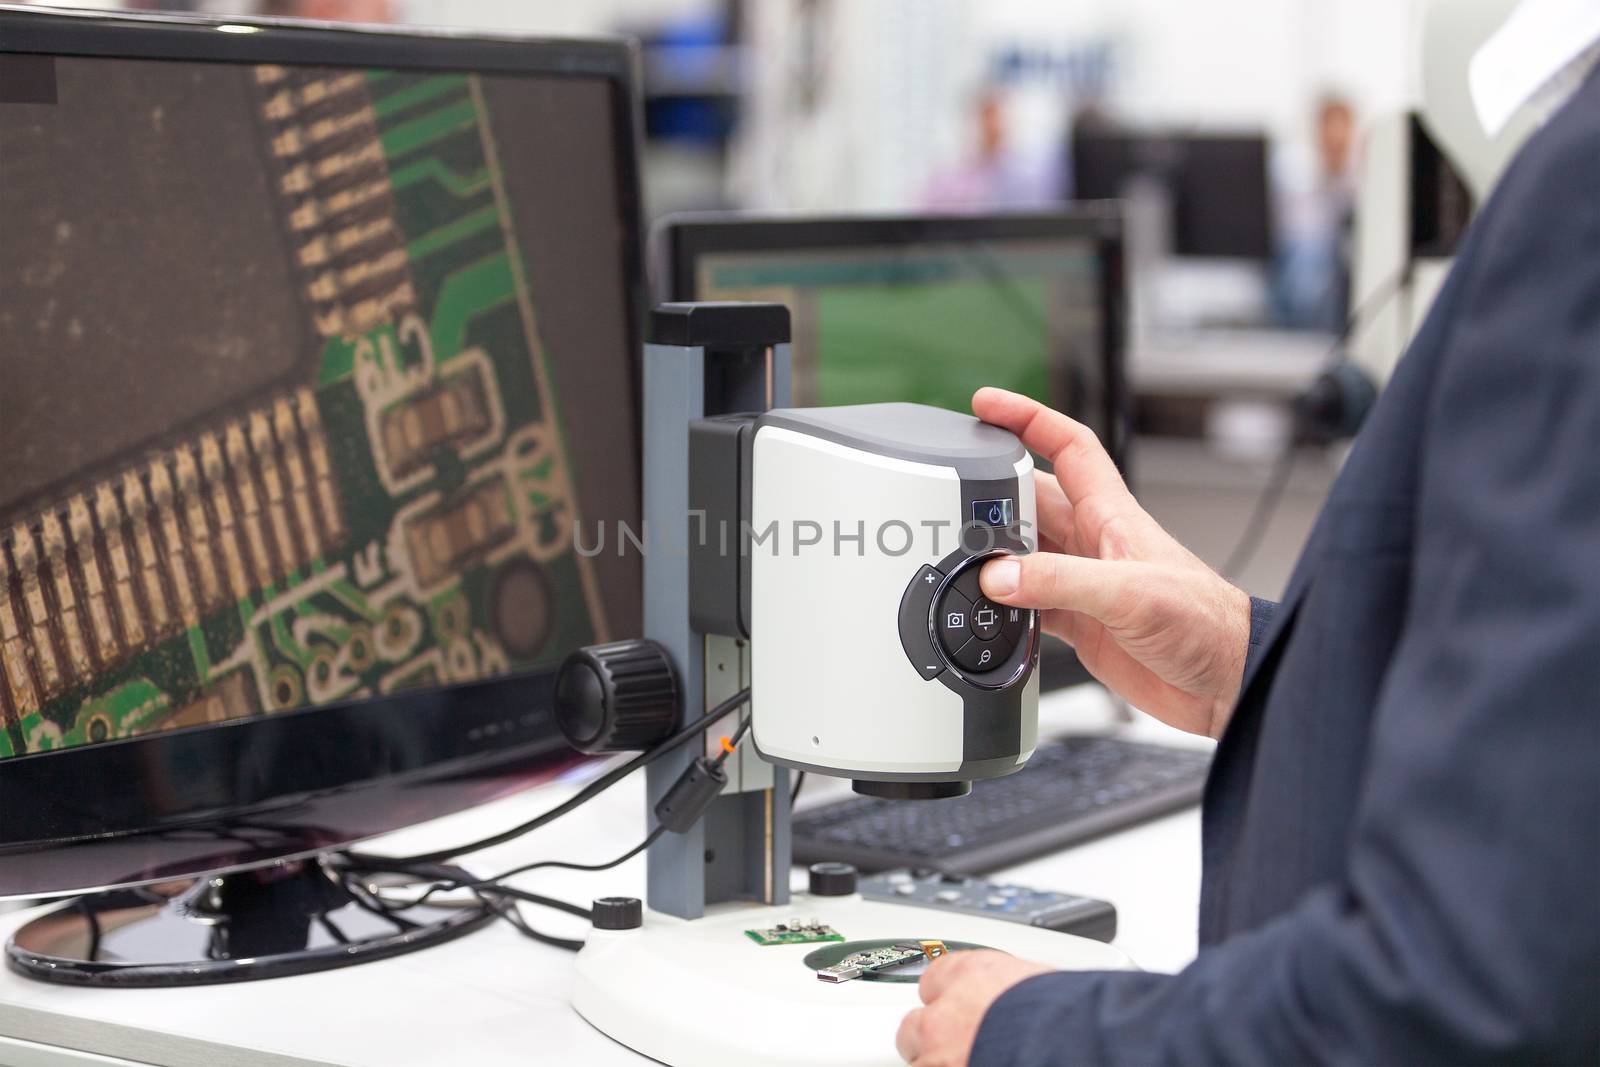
(1146,616)
(956,990)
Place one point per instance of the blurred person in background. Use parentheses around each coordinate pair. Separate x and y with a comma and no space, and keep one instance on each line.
(1315,209)
(996,175)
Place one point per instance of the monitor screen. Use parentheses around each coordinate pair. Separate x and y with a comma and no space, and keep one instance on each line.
(930,317)
(1216,186)
(308,376)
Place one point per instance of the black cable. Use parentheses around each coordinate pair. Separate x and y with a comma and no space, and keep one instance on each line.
(649,839)
(564,865)
(1255,528)
(1261,515)
(799,780)
(493,884)
(506,895)
(583,796)
(537,898)
(504,899)
(509,911)
(501,900)
(738,735)
(515,919)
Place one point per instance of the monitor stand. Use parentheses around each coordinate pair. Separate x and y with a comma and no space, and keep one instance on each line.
(291,918)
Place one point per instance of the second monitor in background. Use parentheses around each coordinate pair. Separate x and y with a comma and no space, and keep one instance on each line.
(1216,186)
(929,309)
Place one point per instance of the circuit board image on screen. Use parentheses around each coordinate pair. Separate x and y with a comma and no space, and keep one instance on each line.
(303,393)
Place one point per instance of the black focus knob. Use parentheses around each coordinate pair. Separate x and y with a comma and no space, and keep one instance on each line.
(617,913)
(616,697)
(832,879)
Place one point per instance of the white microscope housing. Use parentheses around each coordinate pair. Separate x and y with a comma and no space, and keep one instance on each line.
(875,655)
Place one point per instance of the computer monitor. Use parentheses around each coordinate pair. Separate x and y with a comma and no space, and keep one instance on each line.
(1216,184)
(317,347)
(929,309)
(1442,204)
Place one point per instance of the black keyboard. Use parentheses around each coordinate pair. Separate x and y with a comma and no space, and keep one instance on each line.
(1071,790)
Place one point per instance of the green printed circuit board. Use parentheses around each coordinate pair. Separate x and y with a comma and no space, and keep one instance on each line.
(397,511)
(795,932)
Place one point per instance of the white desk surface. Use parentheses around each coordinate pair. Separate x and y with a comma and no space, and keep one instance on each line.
(1264,363)
(495,997)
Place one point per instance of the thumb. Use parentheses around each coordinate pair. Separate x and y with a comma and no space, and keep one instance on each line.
(1094,587)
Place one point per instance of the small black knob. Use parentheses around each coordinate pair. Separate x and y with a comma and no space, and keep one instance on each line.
(832,879)
(616,697)
(617,913)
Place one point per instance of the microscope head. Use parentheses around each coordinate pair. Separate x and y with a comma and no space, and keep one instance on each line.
(874,654)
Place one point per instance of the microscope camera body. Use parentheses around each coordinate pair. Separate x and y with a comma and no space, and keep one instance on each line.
(875,655)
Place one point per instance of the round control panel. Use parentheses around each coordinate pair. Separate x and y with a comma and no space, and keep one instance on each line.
(987,643)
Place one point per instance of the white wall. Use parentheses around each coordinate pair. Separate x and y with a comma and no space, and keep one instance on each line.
(850,100)
(901,75)
(858,103)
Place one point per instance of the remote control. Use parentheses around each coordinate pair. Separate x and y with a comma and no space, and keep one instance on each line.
(1084,916)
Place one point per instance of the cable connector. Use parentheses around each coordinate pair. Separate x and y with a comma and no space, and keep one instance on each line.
(701,783)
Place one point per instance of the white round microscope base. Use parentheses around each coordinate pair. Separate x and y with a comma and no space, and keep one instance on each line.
(697,992)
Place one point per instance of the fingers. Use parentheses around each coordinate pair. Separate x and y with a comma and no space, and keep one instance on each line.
(940,975)
(1082,465)
(1055,514)
(1113,667)
(908,1039)
(1052,580)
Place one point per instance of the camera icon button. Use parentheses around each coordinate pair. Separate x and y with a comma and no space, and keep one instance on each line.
(953,619)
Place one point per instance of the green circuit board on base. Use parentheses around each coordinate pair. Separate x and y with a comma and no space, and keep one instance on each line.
(355,483)
(795,932)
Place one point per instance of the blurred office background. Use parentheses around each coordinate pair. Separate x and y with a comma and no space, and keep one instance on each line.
(1241,272)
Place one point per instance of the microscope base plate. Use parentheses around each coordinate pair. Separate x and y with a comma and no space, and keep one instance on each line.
(699,992)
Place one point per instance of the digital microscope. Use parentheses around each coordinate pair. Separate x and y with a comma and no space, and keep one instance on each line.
(821,567)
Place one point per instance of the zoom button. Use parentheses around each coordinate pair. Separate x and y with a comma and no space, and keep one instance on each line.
(980,656)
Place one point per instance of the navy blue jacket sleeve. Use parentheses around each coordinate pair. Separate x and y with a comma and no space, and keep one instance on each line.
(1261,612)
(1466,928)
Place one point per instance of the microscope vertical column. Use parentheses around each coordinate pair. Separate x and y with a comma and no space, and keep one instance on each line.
(704,360)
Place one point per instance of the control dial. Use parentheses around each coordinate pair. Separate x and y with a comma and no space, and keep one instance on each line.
(617,697)
(945,620)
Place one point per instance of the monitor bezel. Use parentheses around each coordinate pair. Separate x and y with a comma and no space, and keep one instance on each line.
(128,811)
(681,241)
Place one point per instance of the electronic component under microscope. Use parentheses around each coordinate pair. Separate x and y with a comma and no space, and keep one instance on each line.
(871,961)
(795,932)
